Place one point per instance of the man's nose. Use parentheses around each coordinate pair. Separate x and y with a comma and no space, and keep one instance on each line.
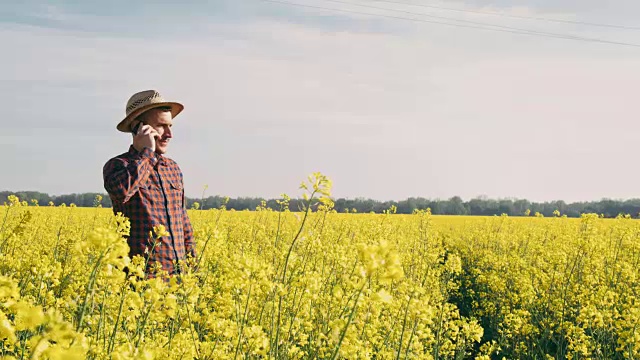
(167,132)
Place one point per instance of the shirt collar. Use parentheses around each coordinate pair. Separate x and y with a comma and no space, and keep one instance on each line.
(161,159)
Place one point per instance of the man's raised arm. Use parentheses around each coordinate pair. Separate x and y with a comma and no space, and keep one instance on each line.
(123,181)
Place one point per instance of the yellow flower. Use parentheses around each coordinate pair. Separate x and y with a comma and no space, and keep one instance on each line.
(160,231)
(27,317)
(383,296)
(297,284)
(6,329)
(60,353)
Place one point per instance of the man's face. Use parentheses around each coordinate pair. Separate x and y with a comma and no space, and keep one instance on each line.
(161,121)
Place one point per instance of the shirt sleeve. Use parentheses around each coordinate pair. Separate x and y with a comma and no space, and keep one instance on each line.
(188,229)
(123,181)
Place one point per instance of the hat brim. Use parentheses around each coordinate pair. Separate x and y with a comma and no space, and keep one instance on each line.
(125,124)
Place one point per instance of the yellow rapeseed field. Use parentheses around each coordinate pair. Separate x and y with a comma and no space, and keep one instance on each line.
(297,284)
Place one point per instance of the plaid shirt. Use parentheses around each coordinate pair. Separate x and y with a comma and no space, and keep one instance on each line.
(148,189)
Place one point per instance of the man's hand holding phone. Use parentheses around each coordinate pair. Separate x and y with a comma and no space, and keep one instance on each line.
(145,137)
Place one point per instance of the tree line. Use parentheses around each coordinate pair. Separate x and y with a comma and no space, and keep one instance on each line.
(453,206)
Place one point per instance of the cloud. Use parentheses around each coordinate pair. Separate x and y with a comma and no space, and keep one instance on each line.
(51,12)
(433,111)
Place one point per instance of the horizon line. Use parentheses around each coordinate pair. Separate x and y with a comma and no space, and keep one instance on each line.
(477,197)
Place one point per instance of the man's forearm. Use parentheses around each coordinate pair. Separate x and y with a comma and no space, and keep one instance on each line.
(122,182)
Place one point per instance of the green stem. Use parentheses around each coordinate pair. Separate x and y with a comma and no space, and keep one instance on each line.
(101,321)
(115,326)
(89,290)
(413,331)
(344,331)
(404,325)
(244,320)
(6,214)
(436,350)
(284,270)
(275,245)
(193,337)
(204,248)
(141,327)
(295,239)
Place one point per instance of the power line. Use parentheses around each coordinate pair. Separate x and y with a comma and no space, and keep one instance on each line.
(458,20)
(513,16)
(501,29)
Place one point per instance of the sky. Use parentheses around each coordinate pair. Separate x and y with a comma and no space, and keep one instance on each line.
(388,108)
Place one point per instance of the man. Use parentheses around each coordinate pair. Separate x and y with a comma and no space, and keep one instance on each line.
(147,187)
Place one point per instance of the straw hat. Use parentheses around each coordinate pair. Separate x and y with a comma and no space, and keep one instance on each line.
(143,101)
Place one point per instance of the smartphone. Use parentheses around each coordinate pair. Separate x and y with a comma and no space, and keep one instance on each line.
(134,130)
